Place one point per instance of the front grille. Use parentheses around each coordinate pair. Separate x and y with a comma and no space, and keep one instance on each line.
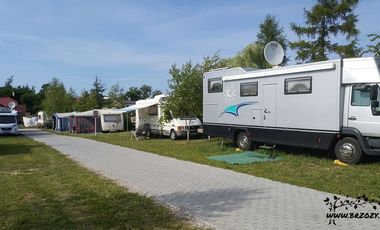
(6,129)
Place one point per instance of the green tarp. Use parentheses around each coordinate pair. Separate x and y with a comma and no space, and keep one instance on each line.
(244,158)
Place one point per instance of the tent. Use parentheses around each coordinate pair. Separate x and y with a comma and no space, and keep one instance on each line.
(84,122)
(61,121)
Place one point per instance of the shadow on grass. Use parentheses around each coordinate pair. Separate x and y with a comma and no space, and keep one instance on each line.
(12,149)
(215,202)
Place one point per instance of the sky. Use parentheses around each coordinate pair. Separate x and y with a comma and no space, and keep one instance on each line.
(136,42)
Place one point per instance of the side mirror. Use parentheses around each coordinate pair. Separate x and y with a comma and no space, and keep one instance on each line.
(373,92)
(374,104)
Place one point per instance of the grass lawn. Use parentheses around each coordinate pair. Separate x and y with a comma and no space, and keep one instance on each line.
(42,189)
(303,167)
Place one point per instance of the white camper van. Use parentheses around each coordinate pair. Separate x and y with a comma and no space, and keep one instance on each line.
(148,114)
(8,121)
(326,105)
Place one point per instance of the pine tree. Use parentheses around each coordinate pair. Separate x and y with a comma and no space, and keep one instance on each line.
(270,30)
(327,19)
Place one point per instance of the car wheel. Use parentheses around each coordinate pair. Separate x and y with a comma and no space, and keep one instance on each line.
(244,141)
(173,135)
(348,150)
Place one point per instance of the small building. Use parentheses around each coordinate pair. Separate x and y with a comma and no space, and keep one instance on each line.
(61,121)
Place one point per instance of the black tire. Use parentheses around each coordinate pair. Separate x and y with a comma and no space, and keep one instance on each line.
(348,150)
(173,135)
(244,141)
(147,134)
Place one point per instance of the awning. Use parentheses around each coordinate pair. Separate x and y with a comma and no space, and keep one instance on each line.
(138,106)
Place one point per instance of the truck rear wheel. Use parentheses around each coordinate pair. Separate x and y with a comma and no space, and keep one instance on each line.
(243,141)
(348,150)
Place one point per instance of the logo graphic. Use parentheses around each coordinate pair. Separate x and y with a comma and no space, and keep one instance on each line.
(234,109)
(348,203)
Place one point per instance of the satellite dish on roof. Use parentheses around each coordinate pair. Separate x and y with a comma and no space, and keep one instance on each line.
(12,104)
(274,53)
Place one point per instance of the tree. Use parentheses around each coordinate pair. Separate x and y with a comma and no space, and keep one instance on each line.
(133,93)
(156,92)
(146,91)
(375,49)
(116,96)
(251,56)
(86,101)
(98,88)
(56,98)
(7,89)
(270,30)
(326,19)
(186,86)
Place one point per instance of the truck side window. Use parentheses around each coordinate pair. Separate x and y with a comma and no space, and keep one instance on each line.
(215,85)
(300,85)
(360,95)
(248,89)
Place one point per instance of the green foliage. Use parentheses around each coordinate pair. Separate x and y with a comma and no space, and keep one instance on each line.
(86,101)
(326,19)
(116,97)
(98,88)
(375,48)
(186,86)
(270,30)
(253,54)
(23,94)
(146,91)
(133,93)
(56,98)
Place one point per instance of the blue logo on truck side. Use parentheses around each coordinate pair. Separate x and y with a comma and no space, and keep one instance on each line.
(234,109)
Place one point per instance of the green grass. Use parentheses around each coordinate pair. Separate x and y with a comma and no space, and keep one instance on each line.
(303,167)
(42,189)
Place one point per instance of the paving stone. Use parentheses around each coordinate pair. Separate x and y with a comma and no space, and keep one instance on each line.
(221,198)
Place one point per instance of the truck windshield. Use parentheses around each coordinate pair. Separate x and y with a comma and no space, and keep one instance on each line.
(7,119)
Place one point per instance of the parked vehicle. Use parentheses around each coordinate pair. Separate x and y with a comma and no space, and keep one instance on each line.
(148,120)
(8,121)
(43,121)
(111,120)
(331,105)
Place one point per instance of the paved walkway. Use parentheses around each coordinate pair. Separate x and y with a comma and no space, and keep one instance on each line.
(221,198)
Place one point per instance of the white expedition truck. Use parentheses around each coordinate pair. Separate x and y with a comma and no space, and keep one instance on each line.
(330,105)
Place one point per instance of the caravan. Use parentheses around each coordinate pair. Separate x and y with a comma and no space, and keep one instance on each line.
(326,105)
(148,119)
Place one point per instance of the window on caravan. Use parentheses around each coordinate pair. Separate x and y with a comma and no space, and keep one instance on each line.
(153,110)
(215,85)
(298,85)
(360,95)
(112,118)
(248,89)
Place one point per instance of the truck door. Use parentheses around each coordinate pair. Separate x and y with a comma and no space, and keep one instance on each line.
(269,104)
(360,114)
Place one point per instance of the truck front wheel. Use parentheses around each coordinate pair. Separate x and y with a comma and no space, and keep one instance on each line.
(243,141)
(173,135)
(348,150)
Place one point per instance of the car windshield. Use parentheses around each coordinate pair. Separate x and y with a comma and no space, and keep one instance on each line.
(7,119)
